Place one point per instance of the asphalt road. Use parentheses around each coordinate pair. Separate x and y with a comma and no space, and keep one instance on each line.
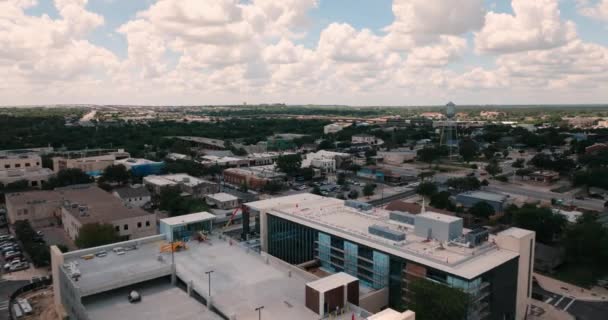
(581,310)
(6,289)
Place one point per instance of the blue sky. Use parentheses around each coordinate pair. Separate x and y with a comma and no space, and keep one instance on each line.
(275,52)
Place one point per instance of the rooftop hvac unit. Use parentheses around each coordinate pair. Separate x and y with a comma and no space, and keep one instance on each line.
(402,217)
(358,205)
(477,236)
(386,233)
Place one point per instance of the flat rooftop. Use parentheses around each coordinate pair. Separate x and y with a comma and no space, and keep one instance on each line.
(331,216)
(222,197)
(489,196)
(100,206)
(172,179)
(241,280)
(188,218)
(160,301)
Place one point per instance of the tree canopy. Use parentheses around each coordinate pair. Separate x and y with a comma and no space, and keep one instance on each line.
(464,184)
(289,163)
(368,189)
(68,177)
(434,301)
(96,234)
(116,173)
(468,149)
(547,224)
(426,189)
(482,210)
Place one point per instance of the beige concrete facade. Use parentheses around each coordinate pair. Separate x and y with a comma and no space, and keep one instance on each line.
(41,208)
(88,164)
(20,161)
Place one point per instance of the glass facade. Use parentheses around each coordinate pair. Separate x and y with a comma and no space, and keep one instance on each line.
(186,232)
(325,251)
(381,264)
(290,241)
(351,255)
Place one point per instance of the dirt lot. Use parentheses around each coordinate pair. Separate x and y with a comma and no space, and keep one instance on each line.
(42,304)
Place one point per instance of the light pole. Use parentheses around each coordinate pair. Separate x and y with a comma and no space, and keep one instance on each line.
(259,310)
(208,273)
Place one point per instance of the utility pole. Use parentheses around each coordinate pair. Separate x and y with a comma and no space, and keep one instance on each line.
(259,310)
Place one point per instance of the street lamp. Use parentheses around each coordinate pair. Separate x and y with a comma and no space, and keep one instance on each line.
(259,310)
(208,273)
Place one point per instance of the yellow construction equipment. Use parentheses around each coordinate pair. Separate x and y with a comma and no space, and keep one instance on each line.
(173,247)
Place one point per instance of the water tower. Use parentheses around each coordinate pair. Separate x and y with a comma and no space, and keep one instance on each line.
(449,137)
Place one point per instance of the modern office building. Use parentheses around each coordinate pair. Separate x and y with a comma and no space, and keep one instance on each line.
(387,251)
(470,198)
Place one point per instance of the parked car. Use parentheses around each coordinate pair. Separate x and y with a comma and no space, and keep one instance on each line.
(119,251)
(11,255)
(20,266)
(8,265)
(101,254)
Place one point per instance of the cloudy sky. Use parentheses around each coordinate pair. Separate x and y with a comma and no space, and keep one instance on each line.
(357,52)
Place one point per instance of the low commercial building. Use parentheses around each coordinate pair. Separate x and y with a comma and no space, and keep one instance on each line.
(335,127)
(386,252)
(187,227)
(595,148)
(142,167)
(133,196)
(35,177)
(194,186)
(366,139)
(225,161)
(469,199)
(90,204)
(222,200)
(397,157)
(327,161)
(19,160)
(75,206)
(92,165)
(253,177)
(545,176)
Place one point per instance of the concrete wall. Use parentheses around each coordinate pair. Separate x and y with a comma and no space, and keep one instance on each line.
(374,301)
(138,227)
(31,161)
(521,241)
(71,225)
(41,214)
(56,262)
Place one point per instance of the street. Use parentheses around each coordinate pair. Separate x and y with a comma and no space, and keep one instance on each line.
(6,289)
(592,204)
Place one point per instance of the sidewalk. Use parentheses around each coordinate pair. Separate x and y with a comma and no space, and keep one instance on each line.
(567,289)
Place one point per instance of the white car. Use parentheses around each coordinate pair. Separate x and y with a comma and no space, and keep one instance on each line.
(119,251)
(11,264)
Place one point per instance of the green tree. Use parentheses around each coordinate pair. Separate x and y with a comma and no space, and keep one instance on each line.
(354,167)
(341,179)
(353,194)
(273,187)
(489,152)
(38,252)
(96,234)
(482,210)
(468,149)
(289,163)
(519,163)
(426,189)
(116,173)
(428,155)
(493,168)
(435,301)
(67,177)
(441,200)
(368,189)
(586,244)
(325,145)
(464,184)
(548,225)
